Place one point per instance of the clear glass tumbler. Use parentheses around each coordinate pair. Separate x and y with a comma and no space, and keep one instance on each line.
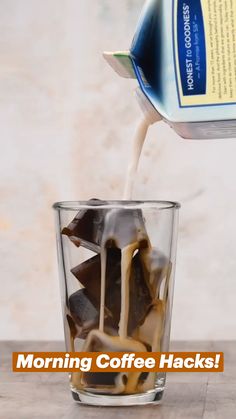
(117,264)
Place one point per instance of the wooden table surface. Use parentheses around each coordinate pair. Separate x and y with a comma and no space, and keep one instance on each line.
(187,396)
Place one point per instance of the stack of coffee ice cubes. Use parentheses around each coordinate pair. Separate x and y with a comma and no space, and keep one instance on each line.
(127,299)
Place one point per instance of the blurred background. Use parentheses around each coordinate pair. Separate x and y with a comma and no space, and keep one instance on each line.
(67,122)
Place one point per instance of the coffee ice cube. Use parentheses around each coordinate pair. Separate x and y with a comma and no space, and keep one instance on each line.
(140,298)
(89,275)
(115,383)
(124,227)
(100,378)
(156,267)
(83,312)
(151,333)
(86,228)
(151,330)
(118,227)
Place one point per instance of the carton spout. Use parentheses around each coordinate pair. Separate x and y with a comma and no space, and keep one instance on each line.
(121,62)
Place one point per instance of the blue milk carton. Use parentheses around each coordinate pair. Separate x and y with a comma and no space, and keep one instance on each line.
(184,58)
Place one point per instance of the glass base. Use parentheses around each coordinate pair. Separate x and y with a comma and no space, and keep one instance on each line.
(150,397)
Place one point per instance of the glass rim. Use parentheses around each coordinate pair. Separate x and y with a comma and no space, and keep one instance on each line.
(113,204)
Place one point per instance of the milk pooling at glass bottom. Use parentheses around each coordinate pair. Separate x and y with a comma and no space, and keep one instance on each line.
(117,264)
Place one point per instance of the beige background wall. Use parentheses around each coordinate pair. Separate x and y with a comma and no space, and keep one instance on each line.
(66,125)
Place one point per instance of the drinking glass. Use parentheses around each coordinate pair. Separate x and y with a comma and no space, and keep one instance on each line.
(117,266)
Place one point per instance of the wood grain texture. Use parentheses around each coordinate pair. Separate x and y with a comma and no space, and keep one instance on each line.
(187,396)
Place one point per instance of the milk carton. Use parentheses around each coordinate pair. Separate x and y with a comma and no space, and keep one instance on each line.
(184,58)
